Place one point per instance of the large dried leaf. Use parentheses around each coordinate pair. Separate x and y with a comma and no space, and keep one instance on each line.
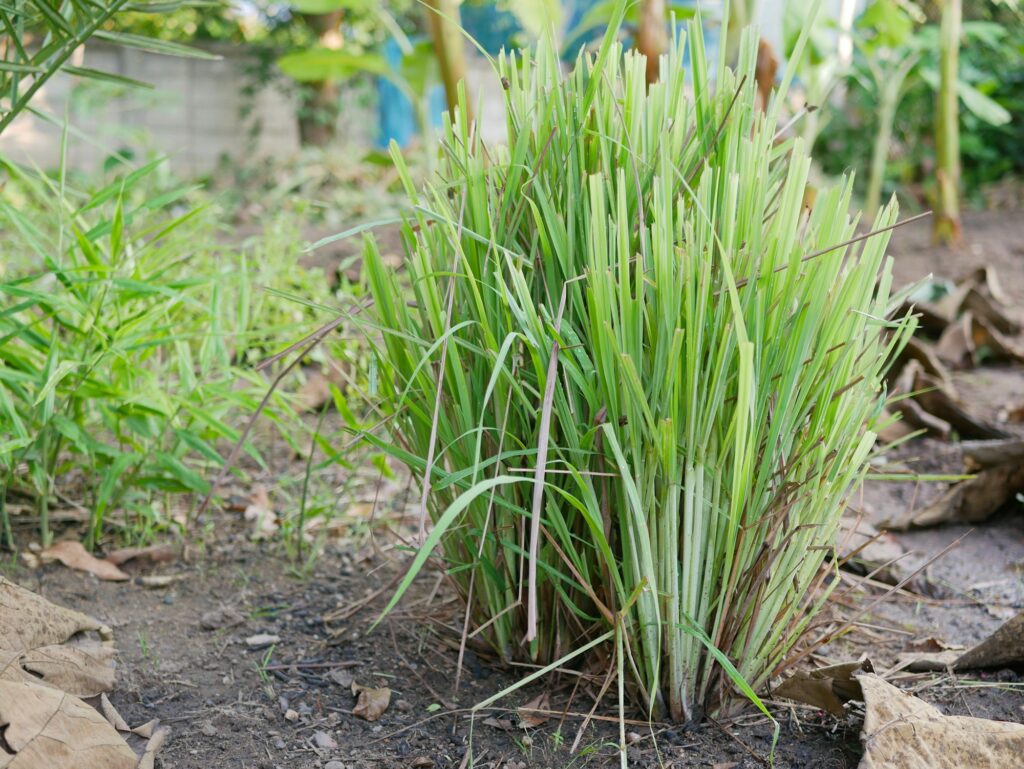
(46,728)
(28,621)
(83,670)
(74,556)
(903,731)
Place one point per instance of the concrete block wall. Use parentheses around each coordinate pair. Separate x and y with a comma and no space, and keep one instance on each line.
(194,114)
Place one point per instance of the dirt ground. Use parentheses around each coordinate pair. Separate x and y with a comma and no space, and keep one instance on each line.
(187,654)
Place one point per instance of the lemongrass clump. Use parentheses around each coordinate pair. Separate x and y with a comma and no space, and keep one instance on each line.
(637,376)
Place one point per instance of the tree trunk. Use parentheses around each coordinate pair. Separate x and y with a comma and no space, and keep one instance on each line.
(947,127)
(318,102)
(449,47)
(652,36)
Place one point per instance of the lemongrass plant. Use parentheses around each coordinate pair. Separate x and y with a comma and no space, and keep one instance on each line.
(637,377)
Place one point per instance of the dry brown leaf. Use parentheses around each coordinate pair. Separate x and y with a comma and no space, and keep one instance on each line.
(156,553)
(261,513)
(1004,648)
(981,454)
(47,728)
(1013,413)
(903,731)
(985,308)
(828,688)
(529,718)
(84,670)
(144,741)
(986,338)
(941,402)
(370,703)
(968,501)
(28,621)
(73,555)
(956,344)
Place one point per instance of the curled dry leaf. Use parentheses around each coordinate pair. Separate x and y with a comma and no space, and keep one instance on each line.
(73,555)
(370,703)
(45,727)
(901,730)
(828,688)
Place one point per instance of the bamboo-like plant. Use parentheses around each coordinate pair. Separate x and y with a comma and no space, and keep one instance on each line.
(637,378)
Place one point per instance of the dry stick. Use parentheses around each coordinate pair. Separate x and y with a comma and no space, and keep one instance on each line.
(538,478)
(311,665)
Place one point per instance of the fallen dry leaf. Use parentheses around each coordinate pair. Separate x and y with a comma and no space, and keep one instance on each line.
(49,658)
(980,454)
(156,553)
(85,669)
(992,343)
(28,621)
(903,731)
(1004,648)
(225,617)
(45,727)
(370,703)
(529,718)
(828,688)
(968,501)
(73,555)
(956,344)
(941,402)
(261,513)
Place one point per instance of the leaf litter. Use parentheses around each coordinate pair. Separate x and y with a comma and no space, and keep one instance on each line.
(51,660)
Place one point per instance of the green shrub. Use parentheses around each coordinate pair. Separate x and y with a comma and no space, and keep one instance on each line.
(638,377)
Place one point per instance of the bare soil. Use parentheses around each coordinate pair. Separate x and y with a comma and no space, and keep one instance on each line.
(289,703)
